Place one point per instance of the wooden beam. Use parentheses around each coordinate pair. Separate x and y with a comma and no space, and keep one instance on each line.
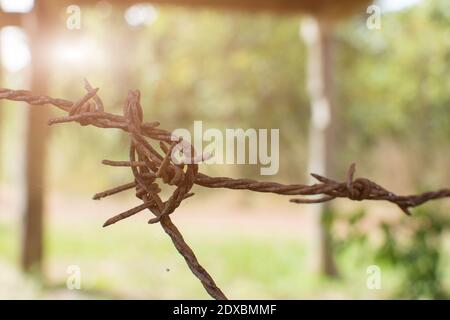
(330,8)
(10,19)
(325,8)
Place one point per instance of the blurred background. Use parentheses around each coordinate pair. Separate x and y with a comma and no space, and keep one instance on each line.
(346,82)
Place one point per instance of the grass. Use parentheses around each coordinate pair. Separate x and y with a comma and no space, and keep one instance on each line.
(139,262)
(248,257)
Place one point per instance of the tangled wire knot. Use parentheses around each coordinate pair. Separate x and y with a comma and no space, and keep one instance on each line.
(150,167)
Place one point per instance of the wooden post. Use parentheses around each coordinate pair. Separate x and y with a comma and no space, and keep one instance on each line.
(35,145)
(1,110)
(317,35)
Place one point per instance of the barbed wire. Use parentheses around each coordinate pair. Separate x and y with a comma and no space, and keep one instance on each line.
(150,166)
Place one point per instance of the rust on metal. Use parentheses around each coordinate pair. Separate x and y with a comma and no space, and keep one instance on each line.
(150,167)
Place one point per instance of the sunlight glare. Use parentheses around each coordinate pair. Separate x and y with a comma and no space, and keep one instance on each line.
(398,5)
(141,15)
(15,53)
(21,6)
(75,53)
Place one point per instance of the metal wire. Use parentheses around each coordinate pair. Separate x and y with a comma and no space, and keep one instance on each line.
(150,167)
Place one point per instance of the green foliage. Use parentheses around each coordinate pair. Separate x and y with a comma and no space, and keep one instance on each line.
(420,256)
(228,70)
(395,80)
(248,70)
(415,247)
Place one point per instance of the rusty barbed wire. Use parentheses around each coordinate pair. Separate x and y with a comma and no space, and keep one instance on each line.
(149,166)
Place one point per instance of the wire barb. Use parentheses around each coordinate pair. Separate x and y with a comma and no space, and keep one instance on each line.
(149,167)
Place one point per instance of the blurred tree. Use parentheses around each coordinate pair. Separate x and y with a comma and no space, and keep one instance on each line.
(395,82)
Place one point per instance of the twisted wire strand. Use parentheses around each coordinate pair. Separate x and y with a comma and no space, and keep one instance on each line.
(149,166)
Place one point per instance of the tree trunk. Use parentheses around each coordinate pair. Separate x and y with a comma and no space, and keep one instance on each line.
(317,35)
